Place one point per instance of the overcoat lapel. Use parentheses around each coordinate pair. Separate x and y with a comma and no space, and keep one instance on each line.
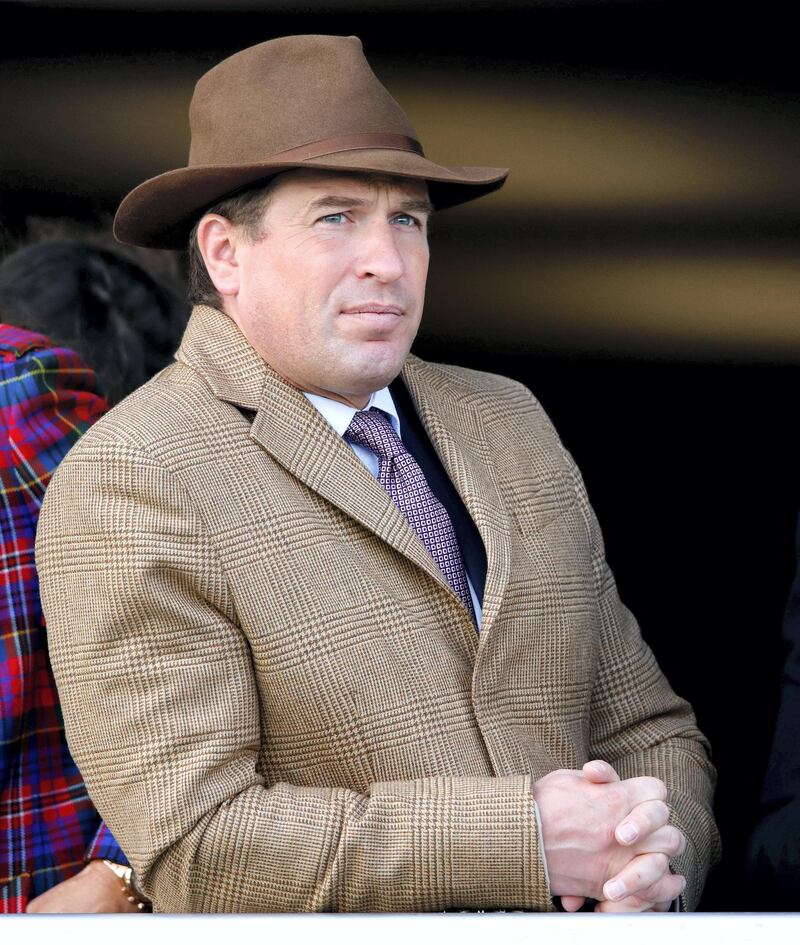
(455,429)
(295,434)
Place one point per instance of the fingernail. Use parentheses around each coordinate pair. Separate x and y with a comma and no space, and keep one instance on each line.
(628,832)
(614,890)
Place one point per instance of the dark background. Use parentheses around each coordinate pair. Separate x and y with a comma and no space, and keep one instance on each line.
(638,273)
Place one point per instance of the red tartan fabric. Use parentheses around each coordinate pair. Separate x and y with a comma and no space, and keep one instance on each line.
(48,826)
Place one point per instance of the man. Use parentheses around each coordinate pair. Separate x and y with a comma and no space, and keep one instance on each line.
(344,617)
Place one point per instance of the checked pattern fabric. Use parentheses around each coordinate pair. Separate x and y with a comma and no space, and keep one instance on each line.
(401,476)
(48,825)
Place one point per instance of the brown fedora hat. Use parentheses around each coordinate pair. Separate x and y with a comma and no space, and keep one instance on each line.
(297,101)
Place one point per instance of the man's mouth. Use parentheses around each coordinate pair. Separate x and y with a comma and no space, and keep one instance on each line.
(372,308)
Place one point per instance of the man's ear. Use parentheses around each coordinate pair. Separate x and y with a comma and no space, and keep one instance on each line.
(217,240)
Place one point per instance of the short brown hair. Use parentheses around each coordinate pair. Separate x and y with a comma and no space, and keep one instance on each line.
(244,209)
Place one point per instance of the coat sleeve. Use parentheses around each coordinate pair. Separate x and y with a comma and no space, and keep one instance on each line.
(641,727)
(161,706)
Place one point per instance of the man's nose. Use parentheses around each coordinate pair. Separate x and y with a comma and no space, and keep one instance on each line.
(379,256)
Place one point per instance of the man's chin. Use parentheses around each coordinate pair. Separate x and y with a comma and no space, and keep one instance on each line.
(375,373)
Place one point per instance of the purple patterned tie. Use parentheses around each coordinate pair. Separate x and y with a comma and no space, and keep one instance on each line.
(400,475)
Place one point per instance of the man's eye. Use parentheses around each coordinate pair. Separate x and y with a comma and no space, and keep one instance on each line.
(406,219)
(333,218)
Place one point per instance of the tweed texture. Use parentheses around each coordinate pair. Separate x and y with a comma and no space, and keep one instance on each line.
(276,699)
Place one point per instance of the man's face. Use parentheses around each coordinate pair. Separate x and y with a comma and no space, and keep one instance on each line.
(332,294)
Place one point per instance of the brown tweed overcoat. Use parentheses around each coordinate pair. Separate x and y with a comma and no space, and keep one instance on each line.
(275,698)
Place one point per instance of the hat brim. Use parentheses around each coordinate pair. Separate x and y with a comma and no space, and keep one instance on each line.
(161,212)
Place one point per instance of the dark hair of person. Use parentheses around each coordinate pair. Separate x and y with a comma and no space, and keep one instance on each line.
(118,317)
(245,209)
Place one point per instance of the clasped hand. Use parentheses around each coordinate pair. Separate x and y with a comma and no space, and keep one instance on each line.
(608,839)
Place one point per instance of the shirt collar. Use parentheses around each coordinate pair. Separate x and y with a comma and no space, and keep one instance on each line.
(339,415)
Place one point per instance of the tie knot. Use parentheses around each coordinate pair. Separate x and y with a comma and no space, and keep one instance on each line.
(373,428)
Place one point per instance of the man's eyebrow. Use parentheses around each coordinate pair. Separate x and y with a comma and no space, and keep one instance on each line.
(330,201)
(418,205)
(336,201)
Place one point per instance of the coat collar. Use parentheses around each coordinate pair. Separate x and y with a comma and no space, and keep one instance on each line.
(296,435)
(214,348)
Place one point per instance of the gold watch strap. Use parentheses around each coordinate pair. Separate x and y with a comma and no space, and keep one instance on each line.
(120,871)
(132,894)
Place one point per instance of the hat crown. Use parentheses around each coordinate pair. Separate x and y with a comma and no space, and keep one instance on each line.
(286,93)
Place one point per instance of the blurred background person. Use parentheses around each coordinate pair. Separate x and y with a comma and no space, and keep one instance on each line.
(63,304)
(96,301)
(774,854)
